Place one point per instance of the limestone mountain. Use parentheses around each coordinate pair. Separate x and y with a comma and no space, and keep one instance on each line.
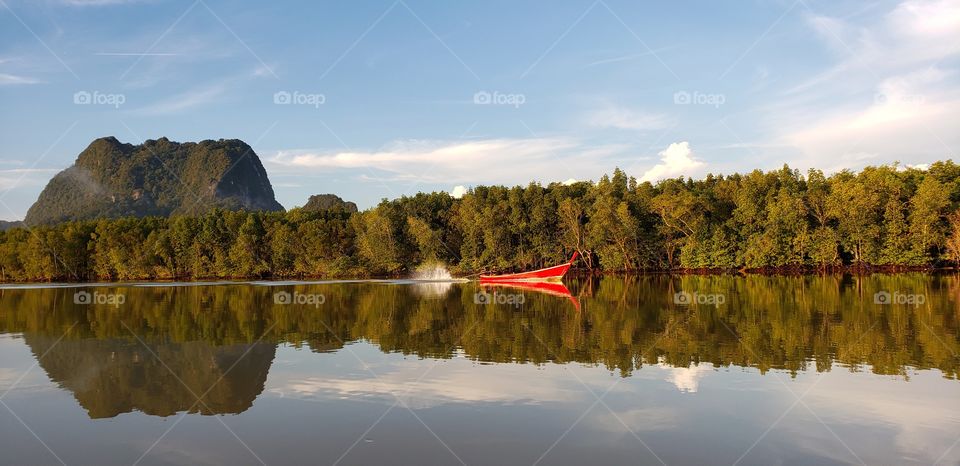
(158,177)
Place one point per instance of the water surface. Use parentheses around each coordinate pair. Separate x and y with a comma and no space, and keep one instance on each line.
(755,370)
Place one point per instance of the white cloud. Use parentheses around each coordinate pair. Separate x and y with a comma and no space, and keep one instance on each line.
(932,20)
(917,413)
(25,178)
(484,161)
(184,101)
(686,379)
(263,71)
(570,181)
(8,79)
(623,118)
(640,419)
(198,96)
(889,96)
(676,160)
(457,380)
(404,153)
(909,118)
(912,34)
(7,376)
(458,191)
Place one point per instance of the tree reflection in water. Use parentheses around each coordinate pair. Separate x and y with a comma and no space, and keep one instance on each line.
(106,359)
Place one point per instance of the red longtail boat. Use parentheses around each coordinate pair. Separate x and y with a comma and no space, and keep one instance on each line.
(554,273)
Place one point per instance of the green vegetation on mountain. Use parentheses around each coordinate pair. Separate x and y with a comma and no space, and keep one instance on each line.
(157,178)
(881,216)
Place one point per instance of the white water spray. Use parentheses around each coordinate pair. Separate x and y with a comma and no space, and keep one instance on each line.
(436,280)
(434,271)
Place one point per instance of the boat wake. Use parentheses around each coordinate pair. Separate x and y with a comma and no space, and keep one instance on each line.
(433,272)
(432,280)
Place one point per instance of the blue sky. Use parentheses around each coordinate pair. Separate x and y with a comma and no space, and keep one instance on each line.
(377,99)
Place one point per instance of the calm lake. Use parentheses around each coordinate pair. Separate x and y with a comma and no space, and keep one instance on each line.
(649,370)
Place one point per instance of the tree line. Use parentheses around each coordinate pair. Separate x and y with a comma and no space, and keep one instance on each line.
(884,216)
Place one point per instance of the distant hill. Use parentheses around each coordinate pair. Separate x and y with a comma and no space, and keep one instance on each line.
(325,202)
(5,225)
(158,177)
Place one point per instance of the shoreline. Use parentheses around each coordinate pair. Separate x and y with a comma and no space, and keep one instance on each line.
(578,273)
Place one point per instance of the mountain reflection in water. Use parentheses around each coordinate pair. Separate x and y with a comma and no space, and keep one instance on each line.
(114,376)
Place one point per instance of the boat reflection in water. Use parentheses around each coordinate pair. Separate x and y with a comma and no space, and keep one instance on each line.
(547,287)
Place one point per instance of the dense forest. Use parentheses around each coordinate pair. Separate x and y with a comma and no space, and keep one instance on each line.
(886,216)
